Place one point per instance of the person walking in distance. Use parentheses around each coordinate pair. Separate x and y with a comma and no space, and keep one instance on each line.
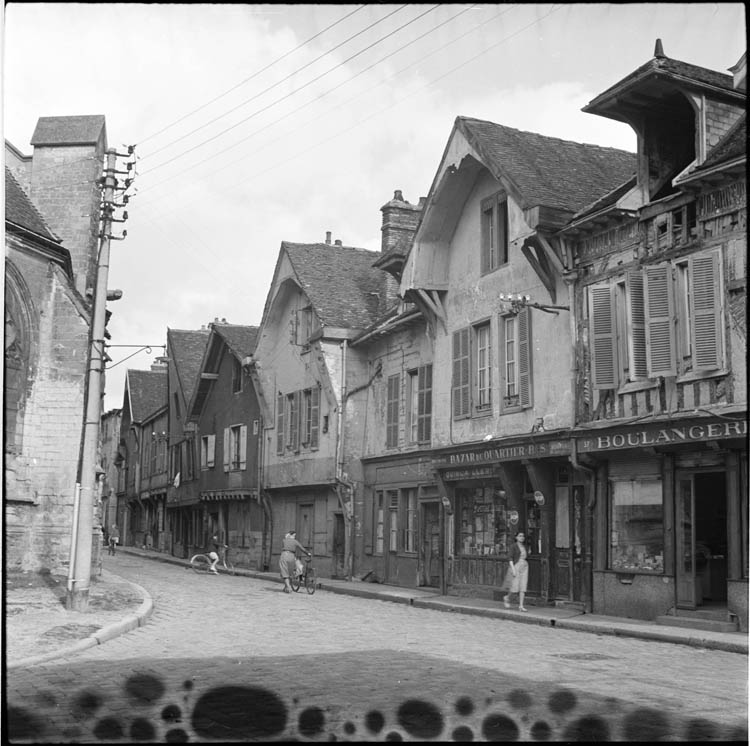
(114,539)
(519,567)
(288,557)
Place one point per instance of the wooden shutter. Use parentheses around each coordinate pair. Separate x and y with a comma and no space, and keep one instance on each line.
(461,376)
(424,403)
(637,318)
(524,357)
(294,402)
(391,425)
(705,308)
(211,451)
(314,416)
(603,337)
(660,319)
(227,453)
(243,447)
(280,423)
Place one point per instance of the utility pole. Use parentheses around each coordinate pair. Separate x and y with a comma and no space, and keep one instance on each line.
(79,577)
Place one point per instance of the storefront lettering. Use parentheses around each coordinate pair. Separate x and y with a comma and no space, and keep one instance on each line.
(665,435)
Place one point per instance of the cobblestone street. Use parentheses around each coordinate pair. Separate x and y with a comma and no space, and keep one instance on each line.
(234,658)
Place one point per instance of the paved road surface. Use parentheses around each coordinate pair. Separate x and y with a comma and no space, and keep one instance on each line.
(235,659)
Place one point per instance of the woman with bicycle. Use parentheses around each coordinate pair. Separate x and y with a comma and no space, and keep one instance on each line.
(287,561)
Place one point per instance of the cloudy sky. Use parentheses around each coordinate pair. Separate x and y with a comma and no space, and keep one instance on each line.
(255,124)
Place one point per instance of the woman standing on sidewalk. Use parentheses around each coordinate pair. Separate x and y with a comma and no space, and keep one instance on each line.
(288,557)
(520,569)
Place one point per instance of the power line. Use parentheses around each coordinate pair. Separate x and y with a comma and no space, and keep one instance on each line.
(335,88)
(254,75)
(265,90)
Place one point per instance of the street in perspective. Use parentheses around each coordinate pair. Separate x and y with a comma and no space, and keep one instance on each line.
(375,372)
(233,658)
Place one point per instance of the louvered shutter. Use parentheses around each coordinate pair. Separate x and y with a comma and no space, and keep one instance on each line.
(660,319)
(280,423)
(243,447)
(314,416)
(211,451)
(603,337)
(461,378)
(524,357)
(705,307)
(294,421)
(391,434)
(424,403)
(227,454)
(637,318)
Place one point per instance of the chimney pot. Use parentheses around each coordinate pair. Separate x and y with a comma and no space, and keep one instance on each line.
(328,237)
(398,195)
(659,49)
(337,242)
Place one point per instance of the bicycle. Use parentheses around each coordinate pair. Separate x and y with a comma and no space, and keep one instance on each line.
(306,577)
(201,563)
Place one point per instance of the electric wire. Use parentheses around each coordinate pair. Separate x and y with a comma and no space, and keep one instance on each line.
(254,75)
(183,153)
(317,98)
(273,85)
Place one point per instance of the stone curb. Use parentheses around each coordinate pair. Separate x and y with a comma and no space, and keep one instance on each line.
(108,632)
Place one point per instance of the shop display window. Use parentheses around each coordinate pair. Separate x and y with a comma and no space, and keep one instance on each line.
(484,521)
(636,526)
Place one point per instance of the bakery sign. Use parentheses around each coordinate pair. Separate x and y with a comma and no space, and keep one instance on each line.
(654,436)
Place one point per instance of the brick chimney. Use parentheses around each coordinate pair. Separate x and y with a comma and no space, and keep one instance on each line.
(400,219)
(65,166)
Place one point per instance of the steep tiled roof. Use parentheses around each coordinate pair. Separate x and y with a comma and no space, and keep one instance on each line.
(732,145)
(610,198)
(240,339)
(187,347)
(20,210)
(147,390)
(78,130)
(340,281)
(546,170)
(674,68)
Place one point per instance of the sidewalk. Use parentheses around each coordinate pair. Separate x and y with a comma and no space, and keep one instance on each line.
(39,628)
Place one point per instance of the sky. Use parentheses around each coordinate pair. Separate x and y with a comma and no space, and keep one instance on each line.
(256,124)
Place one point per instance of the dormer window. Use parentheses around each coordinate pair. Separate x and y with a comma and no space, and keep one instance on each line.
(494,232)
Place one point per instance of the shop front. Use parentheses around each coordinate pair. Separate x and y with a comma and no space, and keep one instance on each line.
(670,517)
(401,533)
(511,485)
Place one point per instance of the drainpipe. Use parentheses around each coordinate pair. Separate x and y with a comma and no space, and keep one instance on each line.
(263,499)
(340,481)
(74,537)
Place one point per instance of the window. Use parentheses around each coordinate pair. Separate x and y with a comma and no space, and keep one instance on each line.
(482,369)
(292,422)
(494,232)
(236,376)
(235,448)
(379,522)
(304,325)
(391,425)
(636,526)
(664,320)
(485,527)
(515,360)
(310,415)
(420,404)
(208,449)
(410,531)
